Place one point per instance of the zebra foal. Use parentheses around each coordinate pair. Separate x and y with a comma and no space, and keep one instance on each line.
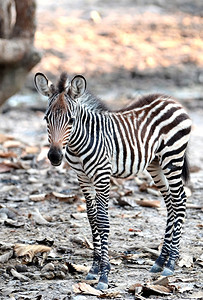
(151,134)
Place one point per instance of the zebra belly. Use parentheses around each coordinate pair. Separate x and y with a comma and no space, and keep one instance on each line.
(126,166)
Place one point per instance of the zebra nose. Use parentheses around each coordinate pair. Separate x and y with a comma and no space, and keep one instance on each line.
(55,156)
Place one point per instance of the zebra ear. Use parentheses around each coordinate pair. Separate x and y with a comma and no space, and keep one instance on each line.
(43,85)
(77,87)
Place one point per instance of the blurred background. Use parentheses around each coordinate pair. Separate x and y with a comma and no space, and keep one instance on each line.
(123,48)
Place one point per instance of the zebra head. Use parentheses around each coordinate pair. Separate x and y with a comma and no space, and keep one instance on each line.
(60,114)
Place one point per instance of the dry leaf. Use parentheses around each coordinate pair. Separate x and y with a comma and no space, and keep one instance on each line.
(38,218)
(116,261)
(7,154)
(84,288)
(186,261)
(31,150)
(163,280)
(78,216)
(110,295)
(64,197)
(13,165)
(29,251)
(160,289)
(81,207)
(13,144)
(4,137)
(59,196)
(196,295)
(125,201)
(38,197)
(77,268)
(88,244)
(135,288)
(4,168)
(18,275)
(149,203)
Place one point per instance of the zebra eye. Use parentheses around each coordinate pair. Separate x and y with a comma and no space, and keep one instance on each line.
(71,121)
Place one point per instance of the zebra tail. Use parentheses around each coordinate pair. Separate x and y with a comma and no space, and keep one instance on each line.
(186,169)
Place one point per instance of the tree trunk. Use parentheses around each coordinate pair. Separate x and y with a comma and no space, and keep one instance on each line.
(17,53)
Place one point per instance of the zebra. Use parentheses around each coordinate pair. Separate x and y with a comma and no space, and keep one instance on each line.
(152,134)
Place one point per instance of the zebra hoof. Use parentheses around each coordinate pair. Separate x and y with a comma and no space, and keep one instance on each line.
(102,286)
(91,276)
(167,272)
(156,268)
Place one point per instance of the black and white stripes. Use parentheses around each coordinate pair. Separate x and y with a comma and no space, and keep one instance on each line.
(151,134)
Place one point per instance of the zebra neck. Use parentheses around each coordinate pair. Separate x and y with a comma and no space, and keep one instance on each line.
(89,126)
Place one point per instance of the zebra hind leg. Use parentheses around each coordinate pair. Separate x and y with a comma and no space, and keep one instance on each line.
(179,208)
(162,184)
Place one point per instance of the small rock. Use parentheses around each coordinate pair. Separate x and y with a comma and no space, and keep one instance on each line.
(21,268)
(60,274)
(79,297)
(48,267)
(49,275)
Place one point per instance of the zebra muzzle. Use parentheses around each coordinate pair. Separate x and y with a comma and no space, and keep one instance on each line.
(55,156)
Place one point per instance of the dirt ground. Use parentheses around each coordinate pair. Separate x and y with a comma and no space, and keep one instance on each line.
(127,49)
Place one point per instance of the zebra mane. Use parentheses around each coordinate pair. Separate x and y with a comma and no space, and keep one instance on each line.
(92,102)
(62,83)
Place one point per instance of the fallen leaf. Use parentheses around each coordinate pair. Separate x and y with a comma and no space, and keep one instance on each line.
(149,203)
(38,197)
(13,223)
(88,244)
(163,288)
(18,275)
(86,289)
(125,201)
(78,216)
(183,287)
(186,261)
(37,217)
(110,295)
(163,280)
(29,251)
(68,198)
(196,295)
(13,144)
(81,208)
(160,289)
(13,165)
(116,261)
(31,150)
(65,197)
(4,168)
(135,288)
(77,268)
(4,137)
(7,154)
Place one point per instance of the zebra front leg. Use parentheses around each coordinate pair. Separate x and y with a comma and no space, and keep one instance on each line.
(89,193)
(102,198)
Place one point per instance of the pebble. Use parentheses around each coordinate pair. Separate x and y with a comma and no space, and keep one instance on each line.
(48,267)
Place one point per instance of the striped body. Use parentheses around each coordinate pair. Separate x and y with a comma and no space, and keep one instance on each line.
(152,134)
(130,139)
